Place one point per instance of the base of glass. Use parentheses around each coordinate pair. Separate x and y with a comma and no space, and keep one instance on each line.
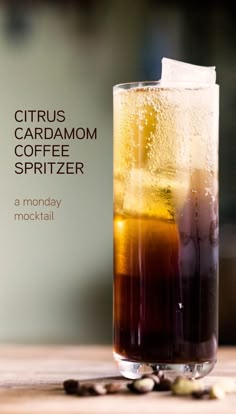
(132,370)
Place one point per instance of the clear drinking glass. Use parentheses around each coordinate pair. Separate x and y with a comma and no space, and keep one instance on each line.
(165,227)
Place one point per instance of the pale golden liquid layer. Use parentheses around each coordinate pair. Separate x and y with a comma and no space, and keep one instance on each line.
(161,139)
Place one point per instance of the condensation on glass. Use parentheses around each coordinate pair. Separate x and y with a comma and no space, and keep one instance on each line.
(165,227)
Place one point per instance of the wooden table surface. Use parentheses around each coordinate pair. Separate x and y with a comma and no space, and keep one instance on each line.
(31,382)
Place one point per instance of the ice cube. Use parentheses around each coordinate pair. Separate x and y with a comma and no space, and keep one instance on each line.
(145,195)
(197,112)
(176,71)
(154,195)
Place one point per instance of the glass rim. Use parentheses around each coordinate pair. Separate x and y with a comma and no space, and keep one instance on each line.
(165,85)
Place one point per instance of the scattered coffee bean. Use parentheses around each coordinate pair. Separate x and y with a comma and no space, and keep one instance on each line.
(184,386)
(203,394)
(217,392)
(89,389)
(141,386)
(154,377)
(157,382)
(99,389)
(164,384)
(71,386)
(130,386)
(113,387)
(85,389)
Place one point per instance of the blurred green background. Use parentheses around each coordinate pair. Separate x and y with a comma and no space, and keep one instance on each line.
(56,278)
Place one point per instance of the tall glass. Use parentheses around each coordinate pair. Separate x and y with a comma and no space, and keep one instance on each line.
(165,227)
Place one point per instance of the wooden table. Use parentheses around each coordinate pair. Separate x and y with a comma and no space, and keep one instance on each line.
(31,382)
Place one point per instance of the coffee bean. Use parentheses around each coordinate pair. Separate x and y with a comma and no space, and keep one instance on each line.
(184,386)
(71,386)
(85,389)
(99,389)
(163,385)
(113,387)
(154,377)
(203,394)
(217,392)
(90,388)
(141,386)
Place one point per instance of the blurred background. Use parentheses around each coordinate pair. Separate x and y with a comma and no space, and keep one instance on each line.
(56,278)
